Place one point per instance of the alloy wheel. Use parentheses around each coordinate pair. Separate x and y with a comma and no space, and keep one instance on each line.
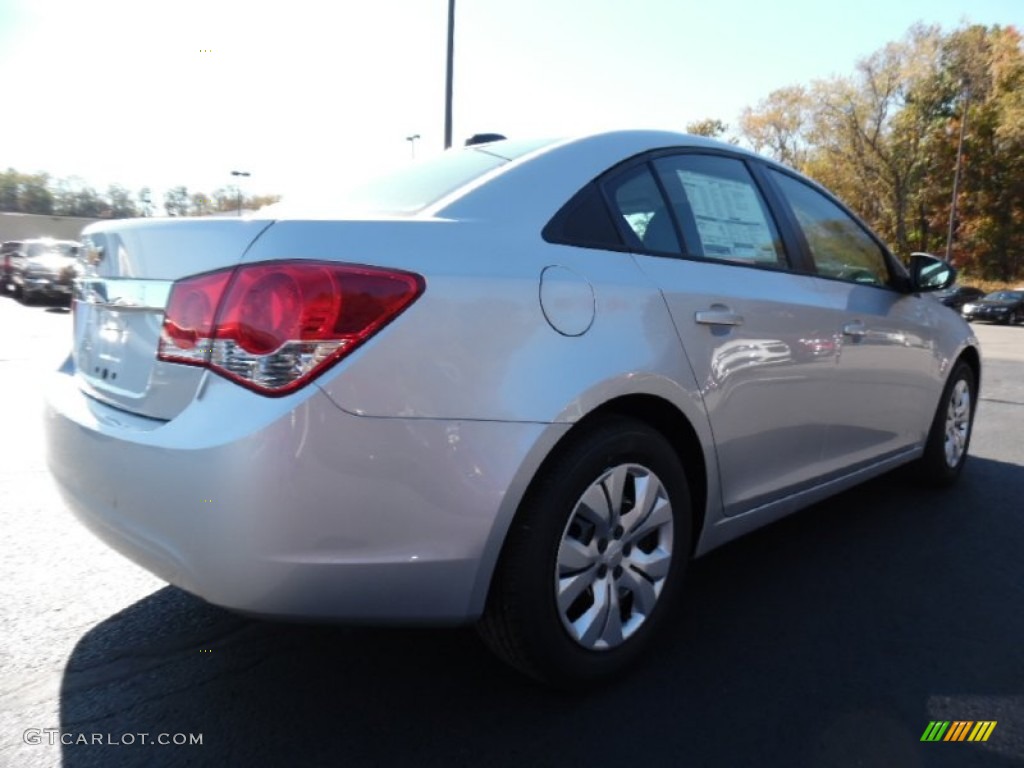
(958,422)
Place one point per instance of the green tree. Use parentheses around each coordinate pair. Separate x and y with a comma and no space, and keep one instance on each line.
(176,201)
(122,204)
(34,194)
(10,181)
(144,202)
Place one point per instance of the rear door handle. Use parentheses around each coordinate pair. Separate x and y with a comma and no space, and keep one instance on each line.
(718,315)
(855,330)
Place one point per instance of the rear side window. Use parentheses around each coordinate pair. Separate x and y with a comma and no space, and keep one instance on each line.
(839,245)
(584,221)
(643,215)
(720,209)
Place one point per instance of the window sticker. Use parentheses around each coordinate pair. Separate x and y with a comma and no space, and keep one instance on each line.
(730,221)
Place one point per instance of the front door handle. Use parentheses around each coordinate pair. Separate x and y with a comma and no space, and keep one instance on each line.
(855,330)
(718,314)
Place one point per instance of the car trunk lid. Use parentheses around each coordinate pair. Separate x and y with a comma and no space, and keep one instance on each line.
(130,267)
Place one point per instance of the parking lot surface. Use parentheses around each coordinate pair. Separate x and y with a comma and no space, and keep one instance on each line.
(830,639)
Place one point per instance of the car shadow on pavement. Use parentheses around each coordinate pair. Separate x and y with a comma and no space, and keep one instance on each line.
(829,639)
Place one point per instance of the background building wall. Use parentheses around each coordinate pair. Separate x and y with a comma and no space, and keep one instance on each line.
(21,226)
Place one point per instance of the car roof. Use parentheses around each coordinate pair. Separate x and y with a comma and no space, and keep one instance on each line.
(533,187)
(533,184)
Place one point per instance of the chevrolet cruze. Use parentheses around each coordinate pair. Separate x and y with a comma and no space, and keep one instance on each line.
(519,385)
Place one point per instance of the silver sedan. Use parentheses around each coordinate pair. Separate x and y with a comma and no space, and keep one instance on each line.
(521,384)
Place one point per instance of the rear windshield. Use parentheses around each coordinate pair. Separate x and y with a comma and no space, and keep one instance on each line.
(1006,296)
(427,181)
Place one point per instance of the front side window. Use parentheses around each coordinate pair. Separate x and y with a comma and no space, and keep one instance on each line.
(720,209)
(838,243)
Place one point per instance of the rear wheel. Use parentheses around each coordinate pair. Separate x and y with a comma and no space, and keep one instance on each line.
(593,561)
(950,434)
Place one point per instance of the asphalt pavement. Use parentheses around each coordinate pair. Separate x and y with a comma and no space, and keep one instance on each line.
(831,639)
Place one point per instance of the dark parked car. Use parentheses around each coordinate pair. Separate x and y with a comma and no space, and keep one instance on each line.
(958,295)
(9,251)
(43,267)
(999,307)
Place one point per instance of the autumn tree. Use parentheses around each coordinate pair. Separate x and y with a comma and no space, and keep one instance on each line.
(711,127)
(885,140)
(988,65)
(778,125)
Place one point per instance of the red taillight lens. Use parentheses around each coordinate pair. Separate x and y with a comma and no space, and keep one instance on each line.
(275,326)
(189,318)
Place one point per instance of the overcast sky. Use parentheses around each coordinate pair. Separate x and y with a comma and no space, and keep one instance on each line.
(307,94)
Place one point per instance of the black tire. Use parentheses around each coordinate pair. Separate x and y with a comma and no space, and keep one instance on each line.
(523,623)
(934,467)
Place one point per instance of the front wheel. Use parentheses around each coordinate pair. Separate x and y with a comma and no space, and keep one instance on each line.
(593,561)
(950,435)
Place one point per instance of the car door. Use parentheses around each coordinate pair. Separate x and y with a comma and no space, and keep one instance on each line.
(753,329)
(883,389)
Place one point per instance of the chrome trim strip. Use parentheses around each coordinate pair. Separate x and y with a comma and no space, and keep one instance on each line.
(124,293)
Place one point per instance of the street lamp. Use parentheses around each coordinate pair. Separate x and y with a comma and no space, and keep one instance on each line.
(412,143)
(448,76)
(238,188)
(956,173)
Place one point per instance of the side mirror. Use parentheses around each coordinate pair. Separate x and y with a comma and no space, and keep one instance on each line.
(929,273)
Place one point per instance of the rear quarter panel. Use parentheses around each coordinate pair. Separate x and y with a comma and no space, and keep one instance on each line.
(477,344)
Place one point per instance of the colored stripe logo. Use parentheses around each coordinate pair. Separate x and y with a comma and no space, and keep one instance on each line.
(958,730)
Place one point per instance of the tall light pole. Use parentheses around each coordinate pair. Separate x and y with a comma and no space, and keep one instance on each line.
(238,188)
(412,143)
(956,173)
(448,77)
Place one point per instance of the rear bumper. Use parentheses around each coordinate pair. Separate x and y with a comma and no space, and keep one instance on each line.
(988,316)
(293,507)
(49,286)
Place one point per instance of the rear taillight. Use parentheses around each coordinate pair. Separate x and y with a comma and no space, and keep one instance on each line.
(275,326)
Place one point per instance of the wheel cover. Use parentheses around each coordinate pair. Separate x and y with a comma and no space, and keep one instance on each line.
(614,557)
(958,423)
